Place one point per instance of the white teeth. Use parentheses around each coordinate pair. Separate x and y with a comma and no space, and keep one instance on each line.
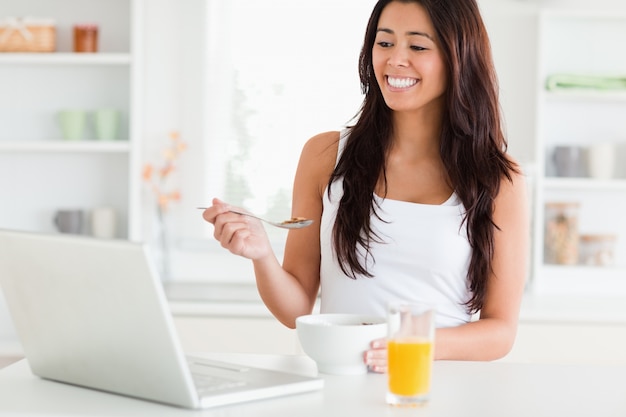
(401,82)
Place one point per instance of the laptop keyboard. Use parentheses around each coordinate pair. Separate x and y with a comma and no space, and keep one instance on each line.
(209,383)
(210,376)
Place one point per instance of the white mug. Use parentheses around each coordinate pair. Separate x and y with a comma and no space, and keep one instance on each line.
(601,161)
(103,222)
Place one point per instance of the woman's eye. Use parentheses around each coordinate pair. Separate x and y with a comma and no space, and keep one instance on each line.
(418,48)
(384,44)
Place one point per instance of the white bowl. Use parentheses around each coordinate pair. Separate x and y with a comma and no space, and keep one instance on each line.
(336,342)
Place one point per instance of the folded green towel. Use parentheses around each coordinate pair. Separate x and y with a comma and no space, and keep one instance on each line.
(568,81)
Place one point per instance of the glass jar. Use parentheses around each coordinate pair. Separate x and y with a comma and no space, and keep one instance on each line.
(561,233)
(86,38)
(597,250)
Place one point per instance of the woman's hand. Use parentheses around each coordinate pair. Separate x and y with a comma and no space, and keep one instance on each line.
(376,357)
(241,235)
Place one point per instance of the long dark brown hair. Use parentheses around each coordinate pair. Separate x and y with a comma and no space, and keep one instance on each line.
(472,144)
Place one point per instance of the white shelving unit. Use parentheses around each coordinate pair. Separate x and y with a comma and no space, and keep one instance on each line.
(34,146)
(39,171)
(591,43)
(66,58)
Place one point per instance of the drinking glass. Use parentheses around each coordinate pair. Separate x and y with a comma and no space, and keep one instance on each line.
(410,348)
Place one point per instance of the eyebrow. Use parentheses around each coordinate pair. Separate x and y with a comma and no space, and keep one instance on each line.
(409,33)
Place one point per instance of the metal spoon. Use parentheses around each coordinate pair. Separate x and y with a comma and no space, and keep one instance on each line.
(293,223)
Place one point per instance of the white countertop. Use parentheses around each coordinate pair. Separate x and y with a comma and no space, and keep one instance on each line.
(481,389)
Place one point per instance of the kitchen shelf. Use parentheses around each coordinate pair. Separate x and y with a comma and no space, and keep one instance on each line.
(60,58)
(580,42)
(582,280)
(585,95)
(588,184)
(585,13)
(39,171)
(119,146)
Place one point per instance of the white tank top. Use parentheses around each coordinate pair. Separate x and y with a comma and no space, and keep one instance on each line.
(424,258)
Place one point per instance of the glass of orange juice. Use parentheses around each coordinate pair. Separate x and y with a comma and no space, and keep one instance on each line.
(411,333)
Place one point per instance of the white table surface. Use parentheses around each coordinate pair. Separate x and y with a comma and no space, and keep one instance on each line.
(459,389)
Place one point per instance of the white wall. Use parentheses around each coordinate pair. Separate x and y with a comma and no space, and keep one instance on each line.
(512,27)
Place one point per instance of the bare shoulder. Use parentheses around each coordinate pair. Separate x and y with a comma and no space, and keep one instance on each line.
(322,147)
(513,194)
(318,157)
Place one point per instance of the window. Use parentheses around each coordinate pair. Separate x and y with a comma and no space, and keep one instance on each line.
(276,73)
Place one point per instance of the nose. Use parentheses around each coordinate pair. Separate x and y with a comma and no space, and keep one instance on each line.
(398,57)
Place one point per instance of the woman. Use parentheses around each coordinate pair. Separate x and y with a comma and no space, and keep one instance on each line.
(417,200)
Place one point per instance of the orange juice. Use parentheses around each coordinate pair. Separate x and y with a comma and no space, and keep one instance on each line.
(409,364)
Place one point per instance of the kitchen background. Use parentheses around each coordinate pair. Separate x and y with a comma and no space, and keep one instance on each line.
(228,99)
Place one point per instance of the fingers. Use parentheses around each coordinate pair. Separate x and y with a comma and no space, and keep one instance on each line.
(225,224)
(239,234)
(376,357)
(379,343)
(211,213)
(228,226)
(231,233)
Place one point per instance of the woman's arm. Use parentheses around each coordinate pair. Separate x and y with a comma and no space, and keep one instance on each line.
(493,334)
(289,290)
(288,298)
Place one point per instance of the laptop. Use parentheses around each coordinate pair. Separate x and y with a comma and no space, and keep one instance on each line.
(93,313)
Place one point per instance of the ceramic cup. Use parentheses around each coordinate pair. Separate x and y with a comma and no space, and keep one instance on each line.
(72,123)
(107,124)
(103,222)
(69,221)
(569,161)
(601,161)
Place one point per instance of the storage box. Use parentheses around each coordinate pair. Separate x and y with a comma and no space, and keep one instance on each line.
(27,35)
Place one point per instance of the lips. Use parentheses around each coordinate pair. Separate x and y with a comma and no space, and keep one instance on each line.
(401,82)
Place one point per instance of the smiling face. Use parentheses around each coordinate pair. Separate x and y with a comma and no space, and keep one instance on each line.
(407,61)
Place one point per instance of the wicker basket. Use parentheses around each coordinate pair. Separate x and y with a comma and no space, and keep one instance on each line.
(27,35)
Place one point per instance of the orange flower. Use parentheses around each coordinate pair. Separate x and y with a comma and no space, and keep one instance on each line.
(166,170)
(175,195)
(147,172)
(159,185)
